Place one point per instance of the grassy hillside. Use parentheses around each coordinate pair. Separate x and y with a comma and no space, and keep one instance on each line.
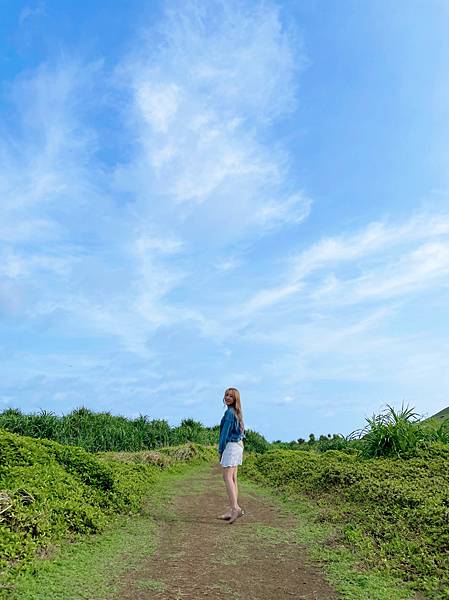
(50,492)
(443,414)
(392,512)
(387,492)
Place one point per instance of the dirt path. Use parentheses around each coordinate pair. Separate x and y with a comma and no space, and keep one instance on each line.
(201,557)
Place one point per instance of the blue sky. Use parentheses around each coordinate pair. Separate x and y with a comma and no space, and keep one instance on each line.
(196,195)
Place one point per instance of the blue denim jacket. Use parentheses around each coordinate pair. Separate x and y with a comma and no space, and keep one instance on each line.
(229,429)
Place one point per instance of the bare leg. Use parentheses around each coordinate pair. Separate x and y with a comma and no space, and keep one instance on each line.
(228,513)
(235,484)
(228,476)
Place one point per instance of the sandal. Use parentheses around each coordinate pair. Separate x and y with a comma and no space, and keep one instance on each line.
(236,513)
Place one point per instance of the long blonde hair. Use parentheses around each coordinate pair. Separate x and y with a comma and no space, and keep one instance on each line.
(237,406)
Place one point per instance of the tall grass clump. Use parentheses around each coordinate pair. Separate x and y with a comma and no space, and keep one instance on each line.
(104,432)
(399,433)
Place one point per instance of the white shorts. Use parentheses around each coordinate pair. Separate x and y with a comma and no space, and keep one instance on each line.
(232,454)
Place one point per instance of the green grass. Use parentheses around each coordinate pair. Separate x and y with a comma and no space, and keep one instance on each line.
(151,584)
(92,566)
(343,568)
(392,512)
(52,495)
(87,568)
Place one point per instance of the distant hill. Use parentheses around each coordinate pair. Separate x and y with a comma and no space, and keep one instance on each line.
(443,414)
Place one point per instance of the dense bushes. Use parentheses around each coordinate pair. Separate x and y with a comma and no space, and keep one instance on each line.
(255,442)
(49,491)
(394,511)
(324,443)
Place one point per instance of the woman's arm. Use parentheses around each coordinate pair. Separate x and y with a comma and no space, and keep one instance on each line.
(224,431)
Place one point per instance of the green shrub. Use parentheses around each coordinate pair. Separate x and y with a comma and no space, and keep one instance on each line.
(255,442)
(49,491)
(400,508)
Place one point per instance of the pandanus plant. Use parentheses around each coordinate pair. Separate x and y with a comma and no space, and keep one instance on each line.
(392,433)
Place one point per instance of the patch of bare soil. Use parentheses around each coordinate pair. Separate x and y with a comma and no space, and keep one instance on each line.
(200,557)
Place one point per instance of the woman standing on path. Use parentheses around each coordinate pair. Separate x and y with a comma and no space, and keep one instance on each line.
(230,449)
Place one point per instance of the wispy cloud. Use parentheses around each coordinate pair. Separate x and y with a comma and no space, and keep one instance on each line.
(337,311)
(151,232)
(195,104)
(29,11)
(392,261)
(200,100)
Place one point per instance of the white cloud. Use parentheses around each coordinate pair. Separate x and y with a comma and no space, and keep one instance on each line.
(268,297)
(27,12)
(129,244)
(294,209)
(19,266)
(198,101)
(424,266)
(395,264)
(61,223)
(158,103)
(227,263)
(288,399)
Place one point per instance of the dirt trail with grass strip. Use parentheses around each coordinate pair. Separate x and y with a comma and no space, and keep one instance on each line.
(198,556)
